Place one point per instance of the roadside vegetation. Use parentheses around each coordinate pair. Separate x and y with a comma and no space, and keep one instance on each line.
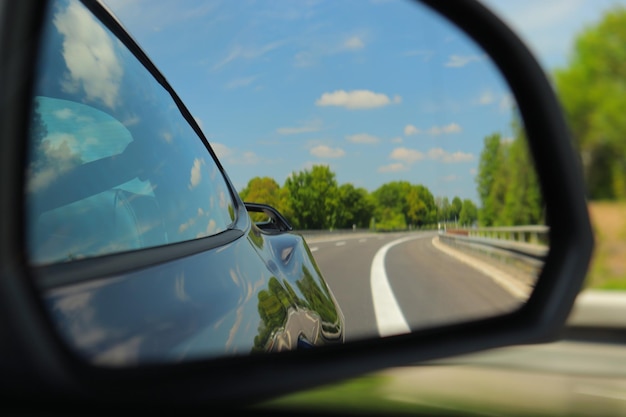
(592,89)
(314,200)
(608,266)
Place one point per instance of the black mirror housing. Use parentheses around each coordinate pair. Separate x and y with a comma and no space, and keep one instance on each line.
(34,352)
(276,222)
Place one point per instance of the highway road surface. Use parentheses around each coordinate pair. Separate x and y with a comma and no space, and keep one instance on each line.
(396,282)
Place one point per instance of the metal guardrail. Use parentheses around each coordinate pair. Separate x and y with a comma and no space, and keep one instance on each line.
(530,234)
(313,235)
(521,249)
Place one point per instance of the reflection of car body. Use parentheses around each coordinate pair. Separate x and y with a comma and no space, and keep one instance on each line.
(142,249)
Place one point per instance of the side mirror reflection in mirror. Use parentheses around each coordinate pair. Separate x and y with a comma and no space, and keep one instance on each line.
(268,218)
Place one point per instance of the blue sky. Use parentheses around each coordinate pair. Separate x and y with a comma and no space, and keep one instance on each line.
(379,90)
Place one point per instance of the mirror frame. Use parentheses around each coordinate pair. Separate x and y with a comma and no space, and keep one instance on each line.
(35,352)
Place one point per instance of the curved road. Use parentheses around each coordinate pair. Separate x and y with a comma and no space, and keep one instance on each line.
(415,285)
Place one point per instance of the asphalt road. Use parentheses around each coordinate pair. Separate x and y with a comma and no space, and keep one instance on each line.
(394,283)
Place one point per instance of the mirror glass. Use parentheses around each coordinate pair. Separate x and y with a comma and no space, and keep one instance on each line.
(384,135)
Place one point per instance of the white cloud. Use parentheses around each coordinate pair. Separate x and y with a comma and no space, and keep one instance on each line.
(395,167)
(356,99)
(473,171)
(240,52)
(147,16)
(445,130)
(248,158)
(397,139)
(196,173)
(64,114)
(410,130)
(240,82)
(135,120)
(62,150)
(362,138)
(222,151)
(507,102)
(426,55)
(89,55)
(486,97)
(410,156)
(406,155)
(304,59)
(439,154)
(317,50)
(434,130)
(451,178)
(167,136)
(323,151)
(235,156)
(307,127)
(354,43)
(457,61)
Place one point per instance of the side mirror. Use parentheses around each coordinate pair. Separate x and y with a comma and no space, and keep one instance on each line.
(271,220)
(38,368)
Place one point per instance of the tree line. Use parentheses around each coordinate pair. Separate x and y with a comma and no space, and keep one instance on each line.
(313,199)
(507,183)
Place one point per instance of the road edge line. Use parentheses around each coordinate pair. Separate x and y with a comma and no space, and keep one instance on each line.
(389,318)
(506,281)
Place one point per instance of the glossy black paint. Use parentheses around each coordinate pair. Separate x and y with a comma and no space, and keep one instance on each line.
(259,293)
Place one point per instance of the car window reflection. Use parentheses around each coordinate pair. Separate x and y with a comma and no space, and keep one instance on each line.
(113,164)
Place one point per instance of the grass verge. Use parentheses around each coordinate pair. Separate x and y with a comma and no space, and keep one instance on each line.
(608,264)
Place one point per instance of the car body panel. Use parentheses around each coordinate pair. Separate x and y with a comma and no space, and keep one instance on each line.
(205,305)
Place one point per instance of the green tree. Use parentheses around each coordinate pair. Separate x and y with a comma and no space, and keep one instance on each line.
(264,190)
(443,208)
(391,205)
(507,182)
(313,198)
(420,206)
(356,207)
(468,214)
(400,204)
(455,209)
(523,203)
(592,89)
(491,179)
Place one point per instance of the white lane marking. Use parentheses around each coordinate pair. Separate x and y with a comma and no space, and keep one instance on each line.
(389,318)
(313,249)
(343,242)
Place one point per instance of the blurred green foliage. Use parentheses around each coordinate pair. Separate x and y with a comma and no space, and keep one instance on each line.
(592,89)
(507,182)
